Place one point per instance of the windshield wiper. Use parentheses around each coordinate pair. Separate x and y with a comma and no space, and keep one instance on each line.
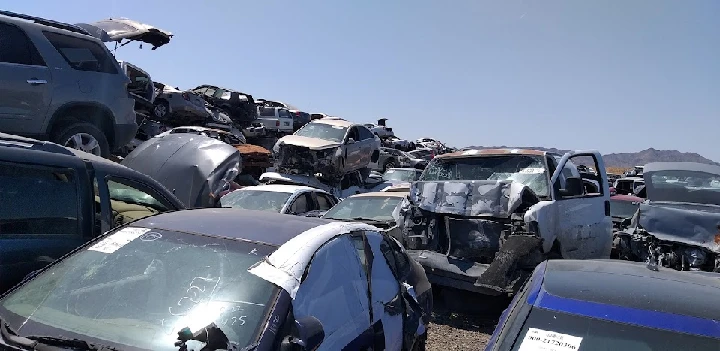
(11,337)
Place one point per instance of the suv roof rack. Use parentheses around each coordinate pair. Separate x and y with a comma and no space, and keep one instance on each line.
(11,140)
(46,22)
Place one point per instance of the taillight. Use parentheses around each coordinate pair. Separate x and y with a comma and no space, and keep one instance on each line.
(277,123)
(186,96)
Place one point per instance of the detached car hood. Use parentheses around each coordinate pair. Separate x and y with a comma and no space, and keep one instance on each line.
(689,224)
(310,143)
(117,29)
(470,198)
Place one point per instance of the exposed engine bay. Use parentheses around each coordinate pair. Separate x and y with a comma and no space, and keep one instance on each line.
(473,235)
(293,159)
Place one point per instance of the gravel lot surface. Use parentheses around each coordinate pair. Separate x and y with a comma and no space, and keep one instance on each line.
(451,331)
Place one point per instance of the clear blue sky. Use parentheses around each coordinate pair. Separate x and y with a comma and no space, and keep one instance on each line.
(617,76)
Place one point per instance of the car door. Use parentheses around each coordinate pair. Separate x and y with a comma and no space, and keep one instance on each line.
(46,212)
(367,140)
(385,295)
(25,83)
(584,223)
(352,150)
(335,291)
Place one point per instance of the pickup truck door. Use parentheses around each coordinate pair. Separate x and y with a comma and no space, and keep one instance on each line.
(585,225)
(47,212)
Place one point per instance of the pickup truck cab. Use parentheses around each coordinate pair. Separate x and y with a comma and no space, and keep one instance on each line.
(481,220)
(53,199)
(276,120)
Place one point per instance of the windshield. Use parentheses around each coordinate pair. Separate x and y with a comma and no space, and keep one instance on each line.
(404,175)
(684,186)
(137,288)
(588,334)
(622,209)
(323,131)
(377,208)
(528,170)
(259,200)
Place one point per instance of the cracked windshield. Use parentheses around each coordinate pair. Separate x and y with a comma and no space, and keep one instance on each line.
(298,175)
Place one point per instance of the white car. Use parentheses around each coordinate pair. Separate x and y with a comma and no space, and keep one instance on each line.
(330,146)
(276,120)
(381,209)
(280,198)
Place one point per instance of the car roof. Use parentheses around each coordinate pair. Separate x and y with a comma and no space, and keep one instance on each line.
(380,194)
(632,286)
(281,188)
(491,152)
(334,122)
(257,226)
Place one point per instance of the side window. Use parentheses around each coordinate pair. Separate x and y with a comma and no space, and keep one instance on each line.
(210,92)
(38,201)
(16,47)
(324,202)
(284,113)
(267,111)
(128,203)
(353,134)
(81,54)
(398,261)
(365,133)
(301,204)
(384,282)
(336,278)
(586,185)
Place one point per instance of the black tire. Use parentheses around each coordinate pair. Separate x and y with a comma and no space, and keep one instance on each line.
(68,130)
(163,104)
(390,163)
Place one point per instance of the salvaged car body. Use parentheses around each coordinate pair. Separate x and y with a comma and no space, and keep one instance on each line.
(331,147)
(53,199)
(240,107)
(678,226)
(195,168)
(481,220)
(295,200)
(225,279)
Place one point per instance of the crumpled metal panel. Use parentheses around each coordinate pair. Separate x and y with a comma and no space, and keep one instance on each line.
(191,166)
(468,198)
(475,239)
(293,159)
(683,223)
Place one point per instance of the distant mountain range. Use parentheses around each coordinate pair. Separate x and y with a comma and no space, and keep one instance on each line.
(628,159)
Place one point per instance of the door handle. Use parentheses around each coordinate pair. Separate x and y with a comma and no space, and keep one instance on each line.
(36,81)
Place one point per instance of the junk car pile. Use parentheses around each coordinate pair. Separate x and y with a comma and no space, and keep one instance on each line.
(199,234)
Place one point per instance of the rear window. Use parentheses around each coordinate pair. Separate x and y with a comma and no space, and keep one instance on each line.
(38,201)
(267,111)
(284,113)
(81,54)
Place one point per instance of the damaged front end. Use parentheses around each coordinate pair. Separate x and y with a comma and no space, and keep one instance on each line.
(301,160)
(680,236)
(472,235)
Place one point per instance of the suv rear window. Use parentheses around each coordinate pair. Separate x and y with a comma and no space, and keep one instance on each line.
(40,201)
(267,111)
(81,54)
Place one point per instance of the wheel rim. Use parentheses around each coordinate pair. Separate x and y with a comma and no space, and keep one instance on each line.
(390,164)
(84,142)
(160,110)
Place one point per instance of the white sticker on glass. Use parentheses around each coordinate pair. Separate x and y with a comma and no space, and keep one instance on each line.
(544,340)
(532,170)
(121,238)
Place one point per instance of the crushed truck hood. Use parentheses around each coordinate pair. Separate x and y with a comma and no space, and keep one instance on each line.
(470,198)
(117,29)
(690,224)
(310,143)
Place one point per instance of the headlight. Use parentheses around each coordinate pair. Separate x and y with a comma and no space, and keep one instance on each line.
(696,257)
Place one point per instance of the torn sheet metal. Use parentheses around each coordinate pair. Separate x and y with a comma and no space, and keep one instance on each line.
(690,224)
(293,159)
(285,266)
(470,198)
(191,166)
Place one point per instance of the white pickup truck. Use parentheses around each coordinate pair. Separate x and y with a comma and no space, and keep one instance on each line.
(481,220)
(276,120)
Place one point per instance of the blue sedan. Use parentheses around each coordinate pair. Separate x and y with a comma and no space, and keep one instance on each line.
(588,305)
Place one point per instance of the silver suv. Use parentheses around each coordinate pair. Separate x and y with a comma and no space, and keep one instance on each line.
(59,83)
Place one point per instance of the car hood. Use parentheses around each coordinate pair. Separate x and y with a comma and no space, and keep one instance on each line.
(117,29)
(691,224)
(471,198)
(310,143)
(294,179)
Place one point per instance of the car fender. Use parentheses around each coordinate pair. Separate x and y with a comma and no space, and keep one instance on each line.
(545,214)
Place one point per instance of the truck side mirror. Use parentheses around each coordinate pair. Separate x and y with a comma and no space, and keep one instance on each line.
(573,187)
